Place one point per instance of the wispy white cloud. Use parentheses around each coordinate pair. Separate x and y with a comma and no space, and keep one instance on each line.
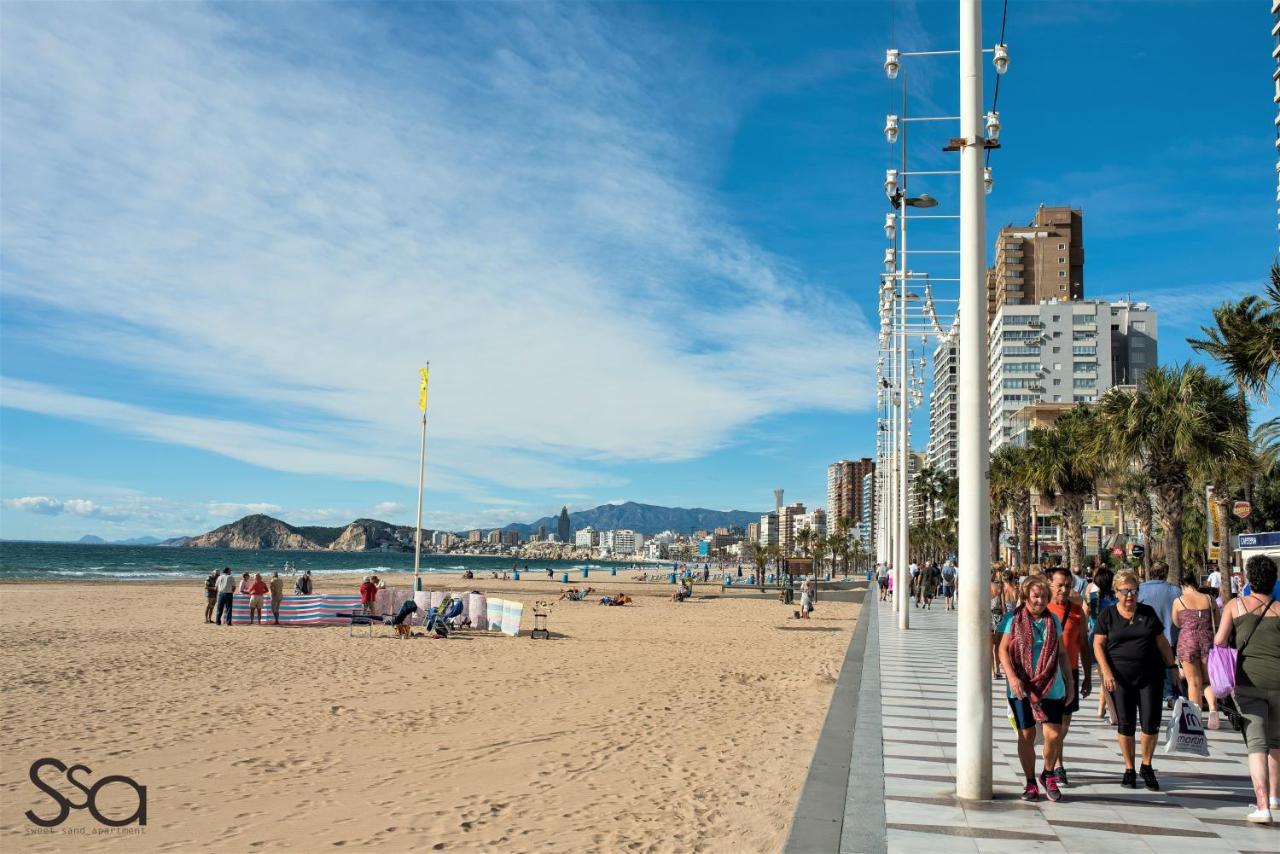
(518,196)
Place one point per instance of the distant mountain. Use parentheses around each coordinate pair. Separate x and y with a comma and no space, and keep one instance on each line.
(264,532)
(646,519)
(140,541)
(91,540)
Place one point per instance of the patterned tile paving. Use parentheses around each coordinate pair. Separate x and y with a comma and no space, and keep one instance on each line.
(1201,806)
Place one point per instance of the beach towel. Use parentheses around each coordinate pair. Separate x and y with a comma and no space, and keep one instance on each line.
(477,610)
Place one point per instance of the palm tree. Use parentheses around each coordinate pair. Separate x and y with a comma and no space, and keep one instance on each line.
(1245,338)
(1179,420)
(838,547)
(821,548)
(760,555)
(1134,495)
(1065,471)
(1009,477)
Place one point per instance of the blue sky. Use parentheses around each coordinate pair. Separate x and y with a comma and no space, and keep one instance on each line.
(638,243)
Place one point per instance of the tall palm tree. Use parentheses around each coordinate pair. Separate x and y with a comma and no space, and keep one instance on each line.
(1245,338)
(1009,477)
(839,549)
(1134,495)
(820,550)
(1179,420)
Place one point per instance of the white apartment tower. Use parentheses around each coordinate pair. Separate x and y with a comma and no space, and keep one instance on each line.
(943,399)
(1063,352)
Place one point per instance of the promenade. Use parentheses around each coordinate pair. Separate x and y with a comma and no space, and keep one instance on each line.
(893,740)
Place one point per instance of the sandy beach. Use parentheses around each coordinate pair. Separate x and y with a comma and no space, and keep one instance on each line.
(658,726)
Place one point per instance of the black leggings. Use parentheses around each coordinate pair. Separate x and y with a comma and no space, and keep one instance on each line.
(1132,700)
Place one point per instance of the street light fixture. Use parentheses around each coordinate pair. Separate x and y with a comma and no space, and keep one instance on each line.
(1000,58)
(993,126)
(889,260)
(891,63)
(891,128)
(987,180)
(891,183)
(890,226)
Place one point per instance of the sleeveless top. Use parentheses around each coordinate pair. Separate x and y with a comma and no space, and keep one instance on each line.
(1259,660)
(1195,633)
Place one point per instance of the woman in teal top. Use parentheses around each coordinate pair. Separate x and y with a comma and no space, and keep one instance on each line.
(1035,665)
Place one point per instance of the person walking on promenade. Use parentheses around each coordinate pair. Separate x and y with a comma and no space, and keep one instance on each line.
(948,586)
(1079,657)
(210,595)
(1133,655)
(1160,595)
(256,591)
(302,587)
(1254,622)
(226,595)
(1196,614)
(1097,598)
(1035,664)
(932,578)
(277,594)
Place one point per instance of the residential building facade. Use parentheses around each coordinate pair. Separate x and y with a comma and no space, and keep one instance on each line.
(844,489)
(1040,261)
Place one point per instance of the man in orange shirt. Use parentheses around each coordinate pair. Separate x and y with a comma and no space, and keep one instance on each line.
(1075,638)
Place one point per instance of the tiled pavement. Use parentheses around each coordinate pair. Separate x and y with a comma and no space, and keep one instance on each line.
(1200,807)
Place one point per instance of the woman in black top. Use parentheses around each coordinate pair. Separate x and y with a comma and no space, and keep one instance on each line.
(1132,653)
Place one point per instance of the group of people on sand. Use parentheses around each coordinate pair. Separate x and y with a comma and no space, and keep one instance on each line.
(1146,639)
(221,588)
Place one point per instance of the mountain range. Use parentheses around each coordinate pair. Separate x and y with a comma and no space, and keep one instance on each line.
(265,532)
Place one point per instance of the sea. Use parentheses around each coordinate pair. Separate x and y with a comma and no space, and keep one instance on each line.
(24,561)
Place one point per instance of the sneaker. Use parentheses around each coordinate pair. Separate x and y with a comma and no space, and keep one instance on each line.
(1213,719)
(1050,783)
(1149,778)
(1061,775)
(1032,794)
(1130,779)
(1275,804)
(1255,817)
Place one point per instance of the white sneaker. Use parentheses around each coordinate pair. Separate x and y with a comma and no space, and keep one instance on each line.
(1275,804)
(1259,817)
(1213,719)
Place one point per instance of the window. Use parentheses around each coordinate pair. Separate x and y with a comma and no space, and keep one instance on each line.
(1057,349)
(1084,351)
(1017,351)
(1057,398)
(1084,367)
(1062,260)
(1057,366)
(1062,246)
(1084,383)
(1081,319)
(1082,336)
(1056,318)
(1062,274)
(1021,367)
(1019,319)
(1084,398)
(1139,326)
(1057,382)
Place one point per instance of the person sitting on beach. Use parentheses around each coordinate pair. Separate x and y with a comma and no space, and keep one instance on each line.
(256,591)
(549,573)
(401,619)
(302,587)
(569,593)
(619,599)
(468,574)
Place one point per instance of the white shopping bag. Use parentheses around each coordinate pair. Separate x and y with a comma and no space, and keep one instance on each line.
(1185,731)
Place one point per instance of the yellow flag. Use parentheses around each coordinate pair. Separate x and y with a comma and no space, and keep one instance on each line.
(422,390)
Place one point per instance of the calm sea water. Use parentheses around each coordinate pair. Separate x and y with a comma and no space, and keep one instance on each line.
(71,561)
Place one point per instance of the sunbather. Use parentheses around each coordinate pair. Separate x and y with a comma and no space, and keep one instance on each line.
(401,619)
(619,599)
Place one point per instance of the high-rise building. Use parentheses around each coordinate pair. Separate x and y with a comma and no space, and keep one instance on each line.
(753,532)
(585,538)
(495,536)
(844,489)
(787,526)
(624,542)
(542,533)
(768,534)
(475,536)
(943,400)
(1040,261)
(916,462)
(563,528)
(1063,353)
(511,537)
(866,526)
(815,521)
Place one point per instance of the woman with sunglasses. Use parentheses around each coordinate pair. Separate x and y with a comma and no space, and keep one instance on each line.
(1132,653)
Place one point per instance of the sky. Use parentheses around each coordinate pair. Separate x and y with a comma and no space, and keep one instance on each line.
(638,243)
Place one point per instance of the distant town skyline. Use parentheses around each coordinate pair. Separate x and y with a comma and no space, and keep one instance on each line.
(638,243)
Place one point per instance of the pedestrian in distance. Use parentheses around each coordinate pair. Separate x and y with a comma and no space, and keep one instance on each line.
(210,595)
(1252,625)
(256,591)
(1133,656)
(368,593)
(947,587)
(226,595)
(277,594)
(1097,598)
(1035,662)
(1196,616)
(1157,592)
(1079,656)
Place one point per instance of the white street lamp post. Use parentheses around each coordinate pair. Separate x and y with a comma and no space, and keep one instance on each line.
(973,636)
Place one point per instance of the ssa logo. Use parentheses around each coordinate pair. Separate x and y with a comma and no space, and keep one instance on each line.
(90,802)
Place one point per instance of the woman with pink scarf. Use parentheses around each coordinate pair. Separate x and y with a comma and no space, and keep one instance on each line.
(1035,665)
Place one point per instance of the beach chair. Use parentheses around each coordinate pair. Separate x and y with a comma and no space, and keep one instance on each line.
(360,618)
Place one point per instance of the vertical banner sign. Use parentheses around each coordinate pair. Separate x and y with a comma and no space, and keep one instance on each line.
(1211,524)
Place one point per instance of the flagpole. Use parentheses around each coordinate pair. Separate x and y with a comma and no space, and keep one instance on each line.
(422,466)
